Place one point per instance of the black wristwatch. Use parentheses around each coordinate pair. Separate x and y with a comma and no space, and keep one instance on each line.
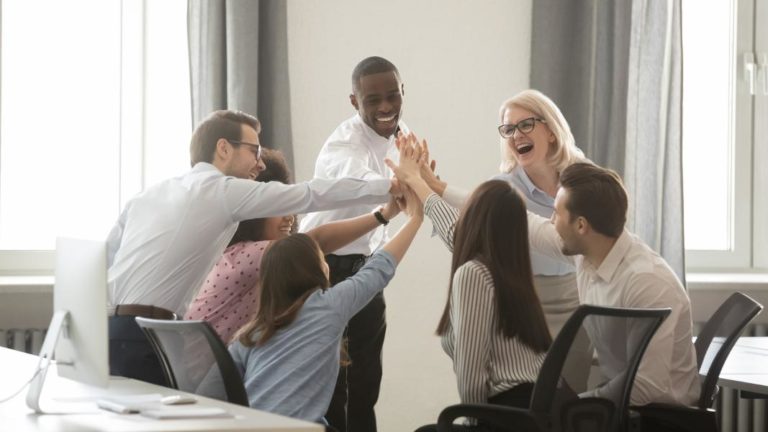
(380,217)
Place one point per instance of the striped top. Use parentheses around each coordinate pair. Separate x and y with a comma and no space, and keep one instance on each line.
(486,362)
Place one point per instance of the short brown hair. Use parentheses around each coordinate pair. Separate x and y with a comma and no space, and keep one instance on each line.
(225,124)
(596,194)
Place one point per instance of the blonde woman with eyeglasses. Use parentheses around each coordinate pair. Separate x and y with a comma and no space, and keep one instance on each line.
(536,145)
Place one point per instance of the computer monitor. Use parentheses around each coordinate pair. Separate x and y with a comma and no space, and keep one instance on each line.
(78,330)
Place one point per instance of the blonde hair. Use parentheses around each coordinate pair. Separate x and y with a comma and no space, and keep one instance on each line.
(564,148)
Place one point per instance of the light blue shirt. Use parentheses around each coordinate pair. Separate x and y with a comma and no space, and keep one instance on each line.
(295,372)
(543,205)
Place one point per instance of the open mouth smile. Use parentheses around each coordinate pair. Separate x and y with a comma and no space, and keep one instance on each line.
(524,148)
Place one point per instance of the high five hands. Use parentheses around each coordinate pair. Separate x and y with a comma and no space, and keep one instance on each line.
(414,164)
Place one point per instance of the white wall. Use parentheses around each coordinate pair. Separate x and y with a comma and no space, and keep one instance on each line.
(459,60)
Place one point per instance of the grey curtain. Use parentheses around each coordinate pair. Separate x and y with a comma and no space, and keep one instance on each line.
(615,70)
(238,51)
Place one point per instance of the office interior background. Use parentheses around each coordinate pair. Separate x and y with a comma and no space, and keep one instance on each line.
(96,106)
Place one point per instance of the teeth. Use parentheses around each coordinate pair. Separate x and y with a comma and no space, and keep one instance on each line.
(524,148)
(386,119)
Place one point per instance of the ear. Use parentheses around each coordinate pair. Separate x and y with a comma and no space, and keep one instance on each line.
(223,149)
(582,225)
(353,101)
(552,138)
(402,89)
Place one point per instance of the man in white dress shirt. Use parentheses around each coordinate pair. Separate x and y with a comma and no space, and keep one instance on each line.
(168,237)
(615,268)
(357,148)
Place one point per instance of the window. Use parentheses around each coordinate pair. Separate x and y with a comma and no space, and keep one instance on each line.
(94,105)
(725,94)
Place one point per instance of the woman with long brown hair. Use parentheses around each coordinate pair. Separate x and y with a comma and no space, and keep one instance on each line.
(289,353)
(230,295)
(492,326)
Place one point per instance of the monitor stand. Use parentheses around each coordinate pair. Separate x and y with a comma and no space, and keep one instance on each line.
(59,325)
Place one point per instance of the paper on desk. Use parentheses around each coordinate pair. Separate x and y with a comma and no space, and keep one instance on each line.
(124,404)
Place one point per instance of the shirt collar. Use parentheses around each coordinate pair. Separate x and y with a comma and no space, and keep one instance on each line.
(204,166)
(523,176)
(610,264)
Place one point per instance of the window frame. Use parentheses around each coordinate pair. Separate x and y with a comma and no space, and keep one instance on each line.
(748,180)
(138,20)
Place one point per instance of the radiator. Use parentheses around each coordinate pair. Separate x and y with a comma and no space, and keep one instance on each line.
(26,340)
(743,415)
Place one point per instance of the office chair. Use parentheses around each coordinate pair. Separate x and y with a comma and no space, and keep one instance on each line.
(714,343)
(619,336)
(194,359)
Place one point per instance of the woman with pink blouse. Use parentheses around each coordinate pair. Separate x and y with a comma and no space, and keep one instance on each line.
(229,297)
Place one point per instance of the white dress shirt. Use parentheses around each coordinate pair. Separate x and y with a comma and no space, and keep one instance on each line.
(354,150)
(169,236)
(633,275)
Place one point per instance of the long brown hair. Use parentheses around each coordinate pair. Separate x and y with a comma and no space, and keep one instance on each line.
(493,229)
(291,270)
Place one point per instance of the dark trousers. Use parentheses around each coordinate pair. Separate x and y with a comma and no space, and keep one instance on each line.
(130,354)
(357,388)
(518,396)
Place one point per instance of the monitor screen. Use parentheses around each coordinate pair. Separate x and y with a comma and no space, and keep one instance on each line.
(81,290)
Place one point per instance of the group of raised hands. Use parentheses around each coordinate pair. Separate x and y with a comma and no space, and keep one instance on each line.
(409,187)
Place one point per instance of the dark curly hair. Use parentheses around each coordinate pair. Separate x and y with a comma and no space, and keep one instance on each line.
(276,170)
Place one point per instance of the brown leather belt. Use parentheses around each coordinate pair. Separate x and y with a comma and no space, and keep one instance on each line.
(143,311)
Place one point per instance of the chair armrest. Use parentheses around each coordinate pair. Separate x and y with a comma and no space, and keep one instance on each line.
(496,415)
(667,417)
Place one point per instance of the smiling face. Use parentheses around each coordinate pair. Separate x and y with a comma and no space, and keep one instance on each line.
(530,149)
(278,227)
(242,160)
(378,99)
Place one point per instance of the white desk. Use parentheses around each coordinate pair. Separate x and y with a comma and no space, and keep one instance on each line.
(747,366)
(17,367)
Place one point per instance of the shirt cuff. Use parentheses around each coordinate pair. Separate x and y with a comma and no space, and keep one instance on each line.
(454,196)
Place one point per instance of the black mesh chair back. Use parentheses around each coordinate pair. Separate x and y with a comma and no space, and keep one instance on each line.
(586,379)
(717,338)
(714,343)
(194,359)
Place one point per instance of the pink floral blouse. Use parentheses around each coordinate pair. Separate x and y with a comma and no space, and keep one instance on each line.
(229,297)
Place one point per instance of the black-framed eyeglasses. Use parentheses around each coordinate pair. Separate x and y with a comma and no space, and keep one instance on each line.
(257,147)
(524,126)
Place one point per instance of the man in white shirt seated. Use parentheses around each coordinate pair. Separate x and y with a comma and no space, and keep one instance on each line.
(169,237)
(615,268)
(357,148)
